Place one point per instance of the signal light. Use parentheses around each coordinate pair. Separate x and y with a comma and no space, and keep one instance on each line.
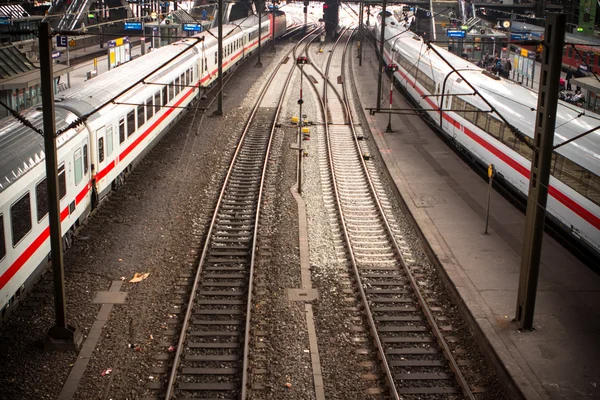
(302,60)
(392,67)
(325,6)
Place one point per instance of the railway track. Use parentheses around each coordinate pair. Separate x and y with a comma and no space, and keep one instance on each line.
(211,356)
(404,318)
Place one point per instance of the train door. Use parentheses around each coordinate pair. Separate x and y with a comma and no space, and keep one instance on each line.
(98,161)
(100,155)
(446,124)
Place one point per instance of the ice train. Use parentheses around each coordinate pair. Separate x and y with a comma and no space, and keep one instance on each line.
(121,115)
(433,84)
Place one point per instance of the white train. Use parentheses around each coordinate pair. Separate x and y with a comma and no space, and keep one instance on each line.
(574,188)
(125,111)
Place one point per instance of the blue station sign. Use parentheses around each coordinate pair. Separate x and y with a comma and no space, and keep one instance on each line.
(192,27)
(61,41)
(455,34)
(4,20)
(133,26)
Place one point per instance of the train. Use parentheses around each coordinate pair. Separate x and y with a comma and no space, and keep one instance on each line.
(466,120)
(106,125)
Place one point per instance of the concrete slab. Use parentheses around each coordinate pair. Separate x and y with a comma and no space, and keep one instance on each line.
(110,298)
(302,294)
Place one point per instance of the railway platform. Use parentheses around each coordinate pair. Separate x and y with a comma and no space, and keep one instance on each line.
(559,358)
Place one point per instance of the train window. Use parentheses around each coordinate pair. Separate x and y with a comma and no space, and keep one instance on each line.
(121,130)
(482,120)
(183,81)
(593,192)
(205,64)
(572,174)
(597,60)
(109,140)
(149,108)
(576,56)
(2,244)
(470,115)
(78,166)
(448,97)
(508,138)
(130,123)
(164,96)
(459,104)
(216,59)
(62,182)
(140,116)
(41,199)
(171,91)
(156,102)
(20,219)
(187,77)
(100,150)
(177,84)
(522,149)
(494,127)
(85,159)
(570,52)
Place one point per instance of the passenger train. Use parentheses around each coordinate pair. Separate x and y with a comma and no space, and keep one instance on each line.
(122,115)
(574,188)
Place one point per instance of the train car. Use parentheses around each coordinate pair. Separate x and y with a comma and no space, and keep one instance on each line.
(587,53)
(106,125)
(433,84)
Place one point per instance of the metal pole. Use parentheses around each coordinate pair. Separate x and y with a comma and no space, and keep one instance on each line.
(432,20)
(510,37)
(389,126)
(487,213)
(259,3)
(540,169)
(533,69)
(381,64)
(219,110)
(305,15)
(68,63)
(61,335)
(360,31)
(300,133)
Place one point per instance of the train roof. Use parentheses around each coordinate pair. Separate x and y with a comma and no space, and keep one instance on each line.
(94,93)
(516,103)
(22,148)
(85,98)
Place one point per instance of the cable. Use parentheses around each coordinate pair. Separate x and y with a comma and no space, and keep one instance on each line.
(24,121)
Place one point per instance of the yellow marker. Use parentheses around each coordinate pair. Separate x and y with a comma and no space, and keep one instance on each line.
(305,129)
(294,120)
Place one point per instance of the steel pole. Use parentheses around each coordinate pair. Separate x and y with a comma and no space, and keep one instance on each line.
(68,64)
(381,63)
(259,63)
(61,335)
(540,168)
(300,133)
(360,33)
(219,110)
